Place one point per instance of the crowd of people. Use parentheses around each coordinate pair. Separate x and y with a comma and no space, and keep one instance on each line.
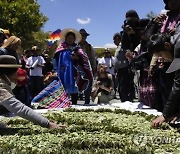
(147,49)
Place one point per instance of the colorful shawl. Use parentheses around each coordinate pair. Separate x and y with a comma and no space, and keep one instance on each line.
(53,96)
(170,22)
(83,73)
(72,73)
(65,68)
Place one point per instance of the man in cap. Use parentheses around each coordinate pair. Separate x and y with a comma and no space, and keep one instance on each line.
(92,58)
(35,63)
(48,66)
(108,60)
(129,41)
(8,69)
(88,48)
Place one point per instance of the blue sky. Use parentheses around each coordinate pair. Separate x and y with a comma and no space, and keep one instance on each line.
(100,18)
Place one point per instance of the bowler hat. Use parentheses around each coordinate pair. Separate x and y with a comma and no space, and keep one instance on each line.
(7,61)
(83,31)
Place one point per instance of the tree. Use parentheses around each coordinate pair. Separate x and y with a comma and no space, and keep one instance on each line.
(151,15)
(100,51)
(39,39)
(22,18)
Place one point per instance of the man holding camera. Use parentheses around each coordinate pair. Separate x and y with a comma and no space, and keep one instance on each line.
(129,40)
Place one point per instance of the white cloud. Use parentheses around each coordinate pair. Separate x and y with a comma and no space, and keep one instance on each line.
(109,45)
(83,21)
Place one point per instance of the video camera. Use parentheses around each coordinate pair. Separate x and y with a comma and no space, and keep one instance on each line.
(130,23)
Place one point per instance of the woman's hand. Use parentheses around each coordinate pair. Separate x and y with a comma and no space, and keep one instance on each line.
(150,71)
(172,31)
(53,125)
(105,88)
(158,121)
(160,18)
(129,55)
(161,119)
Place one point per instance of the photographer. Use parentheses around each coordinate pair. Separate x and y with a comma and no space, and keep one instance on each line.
(102,90)
(108,60)
(130,35)
(129,40)
(147,84)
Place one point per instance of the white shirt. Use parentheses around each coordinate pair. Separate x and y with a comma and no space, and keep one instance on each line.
(109,62)
(37,71)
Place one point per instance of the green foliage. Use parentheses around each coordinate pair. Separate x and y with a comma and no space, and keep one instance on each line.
(151,15)
(52,49)
(100,52)
(39,39)
(22,18)
(102,131)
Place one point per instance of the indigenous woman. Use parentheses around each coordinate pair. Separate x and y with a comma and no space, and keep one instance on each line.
(8,78)
(10,47)
(72,64)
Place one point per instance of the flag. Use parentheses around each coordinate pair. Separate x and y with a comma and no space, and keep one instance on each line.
(53,37)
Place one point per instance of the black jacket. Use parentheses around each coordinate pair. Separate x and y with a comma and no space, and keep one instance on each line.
(172,106)
(7,51)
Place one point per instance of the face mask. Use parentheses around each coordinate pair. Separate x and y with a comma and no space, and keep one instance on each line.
(13,85)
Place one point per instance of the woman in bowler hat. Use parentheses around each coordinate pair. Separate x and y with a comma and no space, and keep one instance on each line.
(8,70)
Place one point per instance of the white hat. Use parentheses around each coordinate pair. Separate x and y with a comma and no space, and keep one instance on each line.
(67,30)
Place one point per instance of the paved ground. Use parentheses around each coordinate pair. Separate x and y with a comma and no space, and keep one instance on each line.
(117,100)
(81,102)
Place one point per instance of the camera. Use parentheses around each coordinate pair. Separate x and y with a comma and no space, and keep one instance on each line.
(126,29)
(130,23)
(141,61)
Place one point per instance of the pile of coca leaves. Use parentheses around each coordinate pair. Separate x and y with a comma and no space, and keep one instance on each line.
(90,131)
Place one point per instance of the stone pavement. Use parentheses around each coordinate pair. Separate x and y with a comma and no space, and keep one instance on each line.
(117,100)
(81,102)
